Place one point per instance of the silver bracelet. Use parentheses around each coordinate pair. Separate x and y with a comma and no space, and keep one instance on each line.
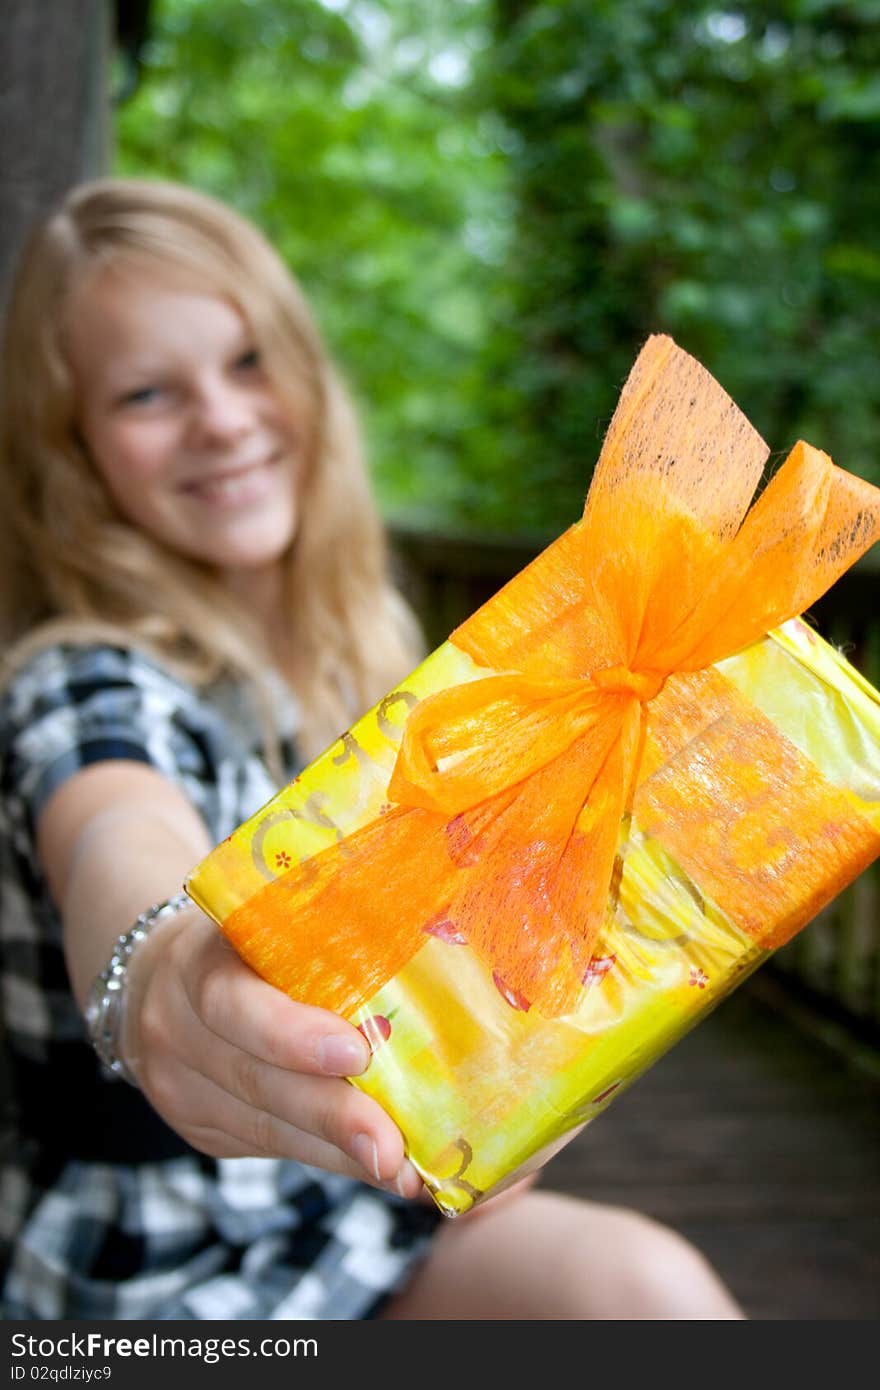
(104,1007)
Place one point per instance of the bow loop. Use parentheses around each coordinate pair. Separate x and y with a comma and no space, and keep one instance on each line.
(464,745)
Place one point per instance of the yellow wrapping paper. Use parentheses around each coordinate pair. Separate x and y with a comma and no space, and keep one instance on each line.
(727,796)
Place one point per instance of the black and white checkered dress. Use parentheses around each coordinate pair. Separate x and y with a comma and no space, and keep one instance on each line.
(105,1212)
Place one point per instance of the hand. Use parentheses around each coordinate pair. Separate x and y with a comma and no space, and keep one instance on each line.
(237,1068)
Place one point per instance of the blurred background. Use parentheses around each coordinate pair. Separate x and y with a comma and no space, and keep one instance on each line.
(491,203)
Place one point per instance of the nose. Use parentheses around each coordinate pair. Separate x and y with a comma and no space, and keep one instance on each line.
(221,411)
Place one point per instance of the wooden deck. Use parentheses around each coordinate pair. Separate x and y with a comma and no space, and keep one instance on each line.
(760,1142)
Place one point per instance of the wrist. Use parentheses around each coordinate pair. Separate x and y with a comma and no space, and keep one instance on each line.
(108,997)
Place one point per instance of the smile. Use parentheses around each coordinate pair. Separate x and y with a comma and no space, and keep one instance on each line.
(249,483)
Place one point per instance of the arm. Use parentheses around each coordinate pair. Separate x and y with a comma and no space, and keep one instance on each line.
(228,1061)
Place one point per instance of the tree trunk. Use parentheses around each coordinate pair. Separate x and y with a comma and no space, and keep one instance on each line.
(54,126)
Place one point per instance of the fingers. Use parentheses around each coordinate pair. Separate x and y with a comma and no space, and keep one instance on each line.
(222,1124)
(270,1107)
(240,1008)
(229,1100)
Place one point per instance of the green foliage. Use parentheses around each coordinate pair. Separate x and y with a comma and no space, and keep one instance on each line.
(705,172)
(492,206)
(347,132)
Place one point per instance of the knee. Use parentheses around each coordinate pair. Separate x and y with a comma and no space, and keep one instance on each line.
(652,1273)
(676,1280)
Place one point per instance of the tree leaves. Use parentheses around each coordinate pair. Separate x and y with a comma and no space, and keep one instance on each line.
(492,205)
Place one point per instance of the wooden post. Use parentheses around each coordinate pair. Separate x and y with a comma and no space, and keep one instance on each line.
(54,125)
(54,132)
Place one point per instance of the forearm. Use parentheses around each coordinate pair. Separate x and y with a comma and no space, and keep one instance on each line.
(114,839)
(125,860)
(113,877)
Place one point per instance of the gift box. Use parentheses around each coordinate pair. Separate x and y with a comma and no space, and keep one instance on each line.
(582,821)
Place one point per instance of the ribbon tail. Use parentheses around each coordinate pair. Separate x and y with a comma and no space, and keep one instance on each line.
(541,895)
(337,927)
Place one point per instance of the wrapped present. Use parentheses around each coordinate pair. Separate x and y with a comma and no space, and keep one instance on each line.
(609,796)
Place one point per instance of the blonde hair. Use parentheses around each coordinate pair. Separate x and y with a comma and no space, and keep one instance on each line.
(71,564)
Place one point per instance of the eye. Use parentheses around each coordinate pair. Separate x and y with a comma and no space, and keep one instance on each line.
(141,395)
(249,361)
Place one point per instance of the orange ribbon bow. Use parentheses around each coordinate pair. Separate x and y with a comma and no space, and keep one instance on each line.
(510,789)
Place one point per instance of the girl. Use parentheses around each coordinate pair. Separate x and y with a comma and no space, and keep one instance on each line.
(195,601)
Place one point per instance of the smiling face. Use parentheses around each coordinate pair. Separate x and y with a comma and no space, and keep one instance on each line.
(181,421)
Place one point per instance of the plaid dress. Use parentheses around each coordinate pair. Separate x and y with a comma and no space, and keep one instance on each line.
(105,1212)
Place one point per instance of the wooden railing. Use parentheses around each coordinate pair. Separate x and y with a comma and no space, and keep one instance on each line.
(836,959)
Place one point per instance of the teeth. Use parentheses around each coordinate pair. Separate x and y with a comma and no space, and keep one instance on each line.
(225,489)
(228,489)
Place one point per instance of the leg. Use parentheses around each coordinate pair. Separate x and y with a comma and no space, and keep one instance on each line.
(545,1256)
